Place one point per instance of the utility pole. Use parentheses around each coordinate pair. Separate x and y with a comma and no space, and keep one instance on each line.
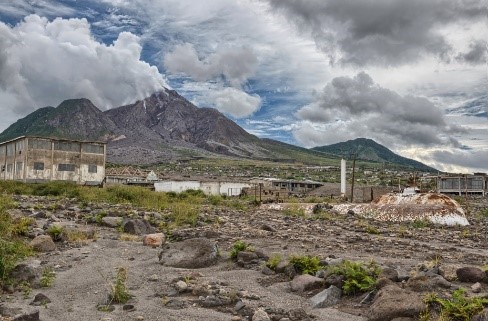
(353,156)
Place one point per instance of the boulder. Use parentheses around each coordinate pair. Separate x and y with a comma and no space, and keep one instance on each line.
(470,274)
(137,227)
(27,273)
(305,282)
(43,243)
(393,302)
(15,312)
(326,298)
(482,316)
(189,254)
(389,273)
(154,240)
(40,299)
(112,221)
(448,271)
(424,283)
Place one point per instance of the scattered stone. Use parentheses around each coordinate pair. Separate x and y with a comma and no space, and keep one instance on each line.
(305,282)
(27,273)
(482,316)
(40,299)
(326,298)
(260,315)
(112,221)
(43,243)
(389,273)
(189,254)
(476,288)
(239,305)
(16,312)
(393,302)
(154,240)
(424,283)
(470,274)
(267,227)
(181,286)
(137,227)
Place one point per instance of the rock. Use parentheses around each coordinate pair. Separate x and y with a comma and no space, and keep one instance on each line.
(137,227)
(43,243)
(112,221)
(189,254)
(154,240)
(246,257)
(403,319)
(448,271)
(181,286)
(482,316)
(239,305)
(424,283)
(326,298)
(305,282)
(267,271)
(476,288)
(267,227)
(16,312)
(330,314)
(212,301)
(40,299)
(389,273)
(393,302)
(27,273)
(470,274)
(335,280)
(260,315)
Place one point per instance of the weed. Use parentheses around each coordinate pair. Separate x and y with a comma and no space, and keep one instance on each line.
(120,293)
(420,223)
(306,264)
(26,289)
(294,210)
(484,213)
(129,237)
(99,217)
(184,214)
(215,199)
(55,231)
(273,261)
(47,277)
(237,247)
(358,276)
(21,226)
(459,307)
(76,236)
(372,229)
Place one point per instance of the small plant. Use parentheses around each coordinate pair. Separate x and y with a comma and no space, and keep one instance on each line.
(420,223)
(484,212)
(21,226)
(120,293)
(55,231)
(370,229)
(47,277)
(459,307)
(273,261)
(99,217)
(237,247)
(215,199)
(294,210)
(306,264)
(358,276)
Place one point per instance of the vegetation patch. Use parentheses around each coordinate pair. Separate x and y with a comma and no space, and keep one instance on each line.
(55,231)
(273,261)
(294,210)
(47,277)
(358,277)
(306,264)
(237,247)
(120,293)
(458,308)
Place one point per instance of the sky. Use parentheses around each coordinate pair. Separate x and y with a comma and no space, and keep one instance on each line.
(411,75)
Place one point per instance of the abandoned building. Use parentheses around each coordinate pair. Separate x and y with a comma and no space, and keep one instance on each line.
(209,188)
(465,184)
(292,186)
(41,159)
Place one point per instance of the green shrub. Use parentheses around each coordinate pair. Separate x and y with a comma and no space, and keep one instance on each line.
(184,214)
(119,293)
(358,276)
(420,223)
(306,264)
(459,307)
(55,231)
(215,199)
(47,277)
(21,225)
(237,247)
(294,210)
(273,261)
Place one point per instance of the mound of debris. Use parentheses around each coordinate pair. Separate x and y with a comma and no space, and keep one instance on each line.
(393,207)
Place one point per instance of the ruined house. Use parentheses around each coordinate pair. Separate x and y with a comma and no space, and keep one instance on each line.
(40,159)
(465,184)
(290,185)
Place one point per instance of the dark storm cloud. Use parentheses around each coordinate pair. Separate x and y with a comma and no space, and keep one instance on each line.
(357,105)
(380,32)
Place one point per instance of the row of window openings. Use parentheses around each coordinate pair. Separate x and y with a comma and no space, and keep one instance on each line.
(62,146)
(38,166)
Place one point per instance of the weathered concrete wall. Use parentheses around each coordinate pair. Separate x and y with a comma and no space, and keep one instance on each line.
(209,188)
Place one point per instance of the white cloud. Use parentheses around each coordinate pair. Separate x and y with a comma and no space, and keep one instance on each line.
(230,101)
(44,62)
(235,64)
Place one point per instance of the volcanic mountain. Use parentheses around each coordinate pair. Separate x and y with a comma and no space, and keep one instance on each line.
(161,127)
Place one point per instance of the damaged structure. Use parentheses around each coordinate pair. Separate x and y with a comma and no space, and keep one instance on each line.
(465,184)
(41,159)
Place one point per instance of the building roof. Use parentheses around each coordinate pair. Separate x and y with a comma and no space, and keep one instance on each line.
(52,138)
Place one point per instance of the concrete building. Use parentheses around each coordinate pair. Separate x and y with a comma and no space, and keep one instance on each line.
(40,159)
(465,184)
(292,186)
(209,188)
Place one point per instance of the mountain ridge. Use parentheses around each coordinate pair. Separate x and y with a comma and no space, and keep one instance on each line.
(369,150)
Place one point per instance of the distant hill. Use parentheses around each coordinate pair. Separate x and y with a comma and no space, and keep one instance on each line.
(369,150)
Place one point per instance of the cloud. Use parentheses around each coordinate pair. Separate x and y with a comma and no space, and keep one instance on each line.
(235,64)
(41,7)
(386,33)
(477,53)
(43,62)
(357,107)
(230,101)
